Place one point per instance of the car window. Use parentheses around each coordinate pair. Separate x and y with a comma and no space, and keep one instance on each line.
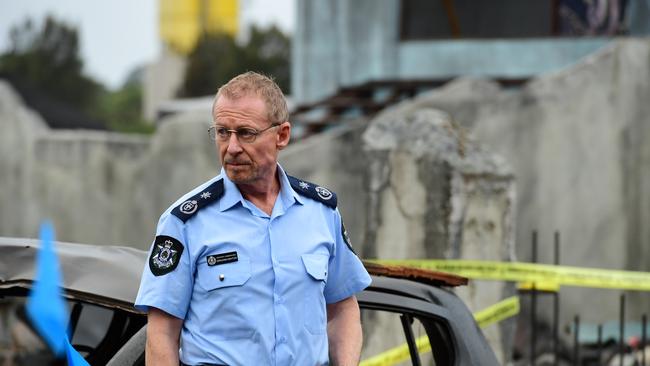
(97,332)
(386,339)
(19,345)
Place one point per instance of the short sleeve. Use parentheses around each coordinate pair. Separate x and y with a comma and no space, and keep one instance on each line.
(347,275)
(167,279)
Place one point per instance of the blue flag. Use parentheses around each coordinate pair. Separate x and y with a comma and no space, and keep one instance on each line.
(74,358)
(46,308)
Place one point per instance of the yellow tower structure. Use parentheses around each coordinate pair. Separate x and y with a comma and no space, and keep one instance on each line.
(183,21)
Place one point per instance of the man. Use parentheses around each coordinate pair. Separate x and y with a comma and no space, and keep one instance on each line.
(253,267)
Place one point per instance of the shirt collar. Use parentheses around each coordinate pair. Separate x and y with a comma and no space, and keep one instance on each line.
(287,194)
(232,195)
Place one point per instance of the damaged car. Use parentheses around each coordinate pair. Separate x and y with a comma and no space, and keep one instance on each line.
(409,316)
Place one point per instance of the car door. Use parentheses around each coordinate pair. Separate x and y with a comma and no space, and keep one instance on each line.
(401,330)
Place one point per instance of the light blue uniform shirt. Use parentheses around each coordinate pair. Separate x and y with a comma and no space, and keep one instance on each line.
(252,288)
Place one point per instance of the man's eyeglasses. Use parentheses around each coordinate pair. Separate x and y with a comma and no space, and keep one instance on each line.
(244,134)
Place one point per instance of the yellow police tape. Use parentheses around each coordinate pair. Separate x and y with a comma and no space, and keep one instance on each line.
(545,277)
(531,272)
(504,309)
(545,286)
(493,314)
(398,354)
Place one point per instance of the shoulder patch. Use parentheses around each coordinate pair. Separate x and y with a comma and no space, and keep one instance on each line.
(194,204)
(346,238)
(165,255)
(313,191)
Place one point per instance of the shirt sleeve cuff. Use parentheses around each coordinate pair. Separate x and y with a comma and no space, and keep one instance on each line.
(350,288)
(167,308)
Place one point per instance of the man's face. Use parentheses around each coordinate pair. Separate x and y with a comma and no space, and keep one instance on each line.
(249,163)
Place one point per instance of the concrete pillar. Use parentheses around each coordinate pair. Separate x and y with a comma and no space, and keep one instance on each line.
(434,193)
(162,81)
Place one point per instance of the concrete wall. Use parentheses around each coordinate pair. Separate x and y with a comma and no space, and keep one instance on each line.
(97,187)
(162,80)
(19,127)
(577,142)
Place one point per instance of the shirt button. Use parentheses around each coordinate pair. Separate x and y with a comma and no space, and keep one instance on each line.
(222,277)
(283,339)
(279,300)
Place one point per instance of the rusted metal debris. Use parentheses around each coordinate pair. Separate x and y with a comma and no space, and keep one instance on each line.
(429,277)
(367,99)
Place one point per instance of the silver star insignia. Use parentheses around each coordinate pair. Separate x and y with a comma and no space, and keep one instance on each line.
(206,195)
(303,185)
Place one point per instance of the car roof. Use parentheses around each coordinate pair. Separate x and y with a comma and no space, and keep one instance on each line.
(103,275)
(110,275)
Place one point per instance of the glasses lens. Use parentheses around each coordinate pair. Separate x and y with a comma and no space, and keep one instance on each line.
(247,134)
(222,133)
(244,134)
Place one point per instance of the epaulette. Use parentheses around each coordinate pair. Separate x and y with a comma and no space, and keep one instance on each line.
(192,205)
(313,191)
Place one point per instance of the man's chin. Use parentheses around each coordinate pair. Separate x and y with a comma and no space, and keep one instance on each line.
(238,176)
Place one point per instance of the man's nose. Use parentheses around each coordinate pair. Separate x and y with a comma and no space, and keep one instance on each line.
(234,146)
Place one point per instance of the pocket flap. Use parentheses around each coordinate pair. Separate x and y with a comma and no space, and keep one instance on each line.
(225,275)
(316,265)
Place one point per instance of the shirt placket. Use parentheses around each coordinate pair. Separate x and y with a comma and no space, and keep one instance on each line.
(283,354)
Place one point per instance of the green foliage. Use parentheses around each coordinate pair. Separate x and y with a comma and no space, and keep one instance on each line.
(48,58)
(122,110)
(214,60)
(269,51)
(218,58)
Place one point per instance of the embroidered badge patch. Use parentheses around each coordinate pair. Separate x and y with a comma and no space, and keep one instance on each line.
(346,238)
(313,191)
(165,255)
(223,258)
(189,207)
(324,193)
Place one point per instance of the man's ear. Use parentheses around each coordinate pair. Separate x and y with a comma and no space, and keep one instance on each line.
(284,135)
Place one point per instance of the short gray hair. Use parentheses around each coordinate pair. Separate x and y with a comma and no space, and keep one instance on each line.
(253,83)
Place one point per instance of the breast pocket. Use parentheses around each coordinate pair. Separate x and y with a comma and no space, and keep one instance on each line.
(219,296)
(224,275)
(315,310)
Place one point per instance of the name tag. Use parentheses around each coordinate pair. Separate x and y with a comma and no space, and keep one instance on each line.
(223,258)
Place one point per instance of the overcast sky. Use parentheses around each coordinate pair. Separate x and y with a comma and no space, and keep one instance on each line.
(118,35)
